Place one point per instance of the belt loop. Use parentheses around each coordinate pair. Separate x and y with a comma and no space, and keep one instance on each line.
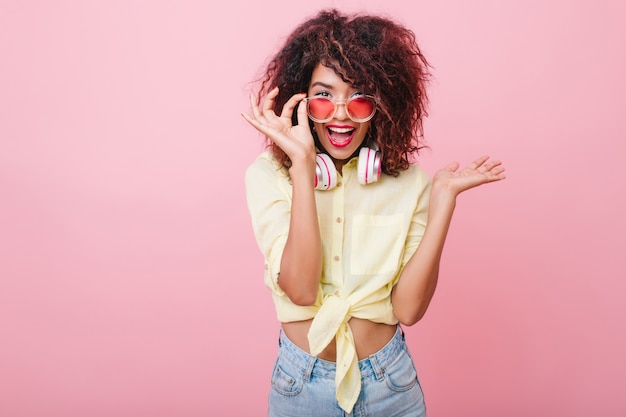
(378,371)
(309,368)
(280,338)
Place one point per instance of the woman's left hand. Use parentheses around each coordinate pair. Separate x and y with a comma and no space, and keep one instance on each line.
(481,171)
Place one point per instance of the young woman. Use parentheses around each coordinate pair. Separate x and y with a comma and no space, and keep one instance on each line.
(351,229)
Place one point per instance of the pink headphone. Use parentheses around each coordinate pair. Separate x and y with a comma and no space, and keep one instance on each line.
(368,169)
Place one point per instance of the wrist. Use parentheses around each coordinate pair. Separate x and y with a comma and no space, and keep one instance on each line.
(442,195)
(303,168)
(443,190)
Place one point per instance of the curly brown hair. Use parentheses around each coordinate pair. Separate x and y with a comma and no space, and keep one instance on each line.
(372,53)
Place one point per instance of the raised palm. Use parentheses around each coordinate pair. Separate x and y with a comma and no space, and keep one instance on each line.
(481,171)
(295,140)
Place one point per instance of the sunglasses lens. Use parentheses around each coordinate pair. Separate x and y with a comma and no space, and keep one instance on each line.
(361,108)
(321,108)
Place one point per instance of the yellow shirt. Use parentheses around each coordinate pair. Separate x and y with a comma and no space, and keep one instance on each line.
(368,232)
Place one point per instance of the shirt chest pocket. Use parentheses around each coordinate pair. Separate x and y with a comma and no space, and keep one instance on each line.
(377,244)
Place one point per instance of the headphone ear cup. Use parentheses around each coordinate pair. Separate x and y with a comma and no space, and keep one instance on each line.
(325,173)
(369,165)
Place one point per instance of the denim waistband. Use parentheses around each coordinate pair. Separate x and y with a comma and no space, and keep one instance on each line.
(312,365)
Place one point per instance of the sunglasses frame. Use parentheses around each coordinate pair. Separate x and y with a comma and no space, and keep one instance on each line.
(336,104)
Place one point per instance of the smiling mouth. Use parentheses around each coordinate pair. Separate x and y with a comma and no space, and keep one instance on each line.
(340,137)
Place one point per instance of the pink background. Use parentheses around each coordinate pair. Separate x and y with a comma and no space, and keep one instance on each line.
(130,282)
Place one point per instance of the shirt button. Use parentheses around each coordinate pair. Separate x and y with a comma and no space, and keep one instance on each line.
(336,258)
(338,219)
(339,184)
(337,293)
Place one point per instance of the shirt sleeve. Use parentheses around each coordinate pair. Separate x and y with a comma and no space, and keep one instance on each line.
(268,195)
(420,215)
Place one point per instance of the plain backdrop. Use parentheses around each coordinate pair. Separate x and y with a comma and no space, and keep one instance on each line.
(130,281)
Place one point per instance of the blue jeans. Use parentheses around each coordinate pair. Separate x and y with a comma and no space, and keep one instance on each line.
(303,385)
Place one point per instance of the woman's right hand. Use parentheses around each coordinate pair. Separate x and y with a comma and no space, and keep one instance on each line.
(301,260)
(295,140)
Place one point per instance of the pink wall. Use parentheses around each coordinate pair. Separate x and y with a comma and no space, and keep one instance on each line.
(130,283)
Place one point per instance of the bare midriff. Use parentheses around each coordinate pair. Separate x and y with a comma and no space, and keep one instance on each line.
(369,337)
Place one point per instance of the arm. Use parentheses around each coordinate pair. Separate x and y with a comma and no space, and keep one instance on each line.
(301,262)
(417,282)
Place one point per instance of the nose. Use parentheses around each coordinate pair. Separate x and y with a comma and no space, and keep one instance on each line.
(340,111)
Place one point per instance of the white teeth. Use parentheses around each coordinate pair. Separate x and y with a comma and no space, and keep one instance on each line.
(341,129)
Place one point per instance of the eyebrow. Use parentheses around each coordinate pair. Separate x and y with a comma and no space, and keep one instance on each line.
(316,83)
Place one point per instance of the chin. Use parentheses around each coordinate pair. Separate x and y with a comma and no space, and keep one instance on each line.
(343,154)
